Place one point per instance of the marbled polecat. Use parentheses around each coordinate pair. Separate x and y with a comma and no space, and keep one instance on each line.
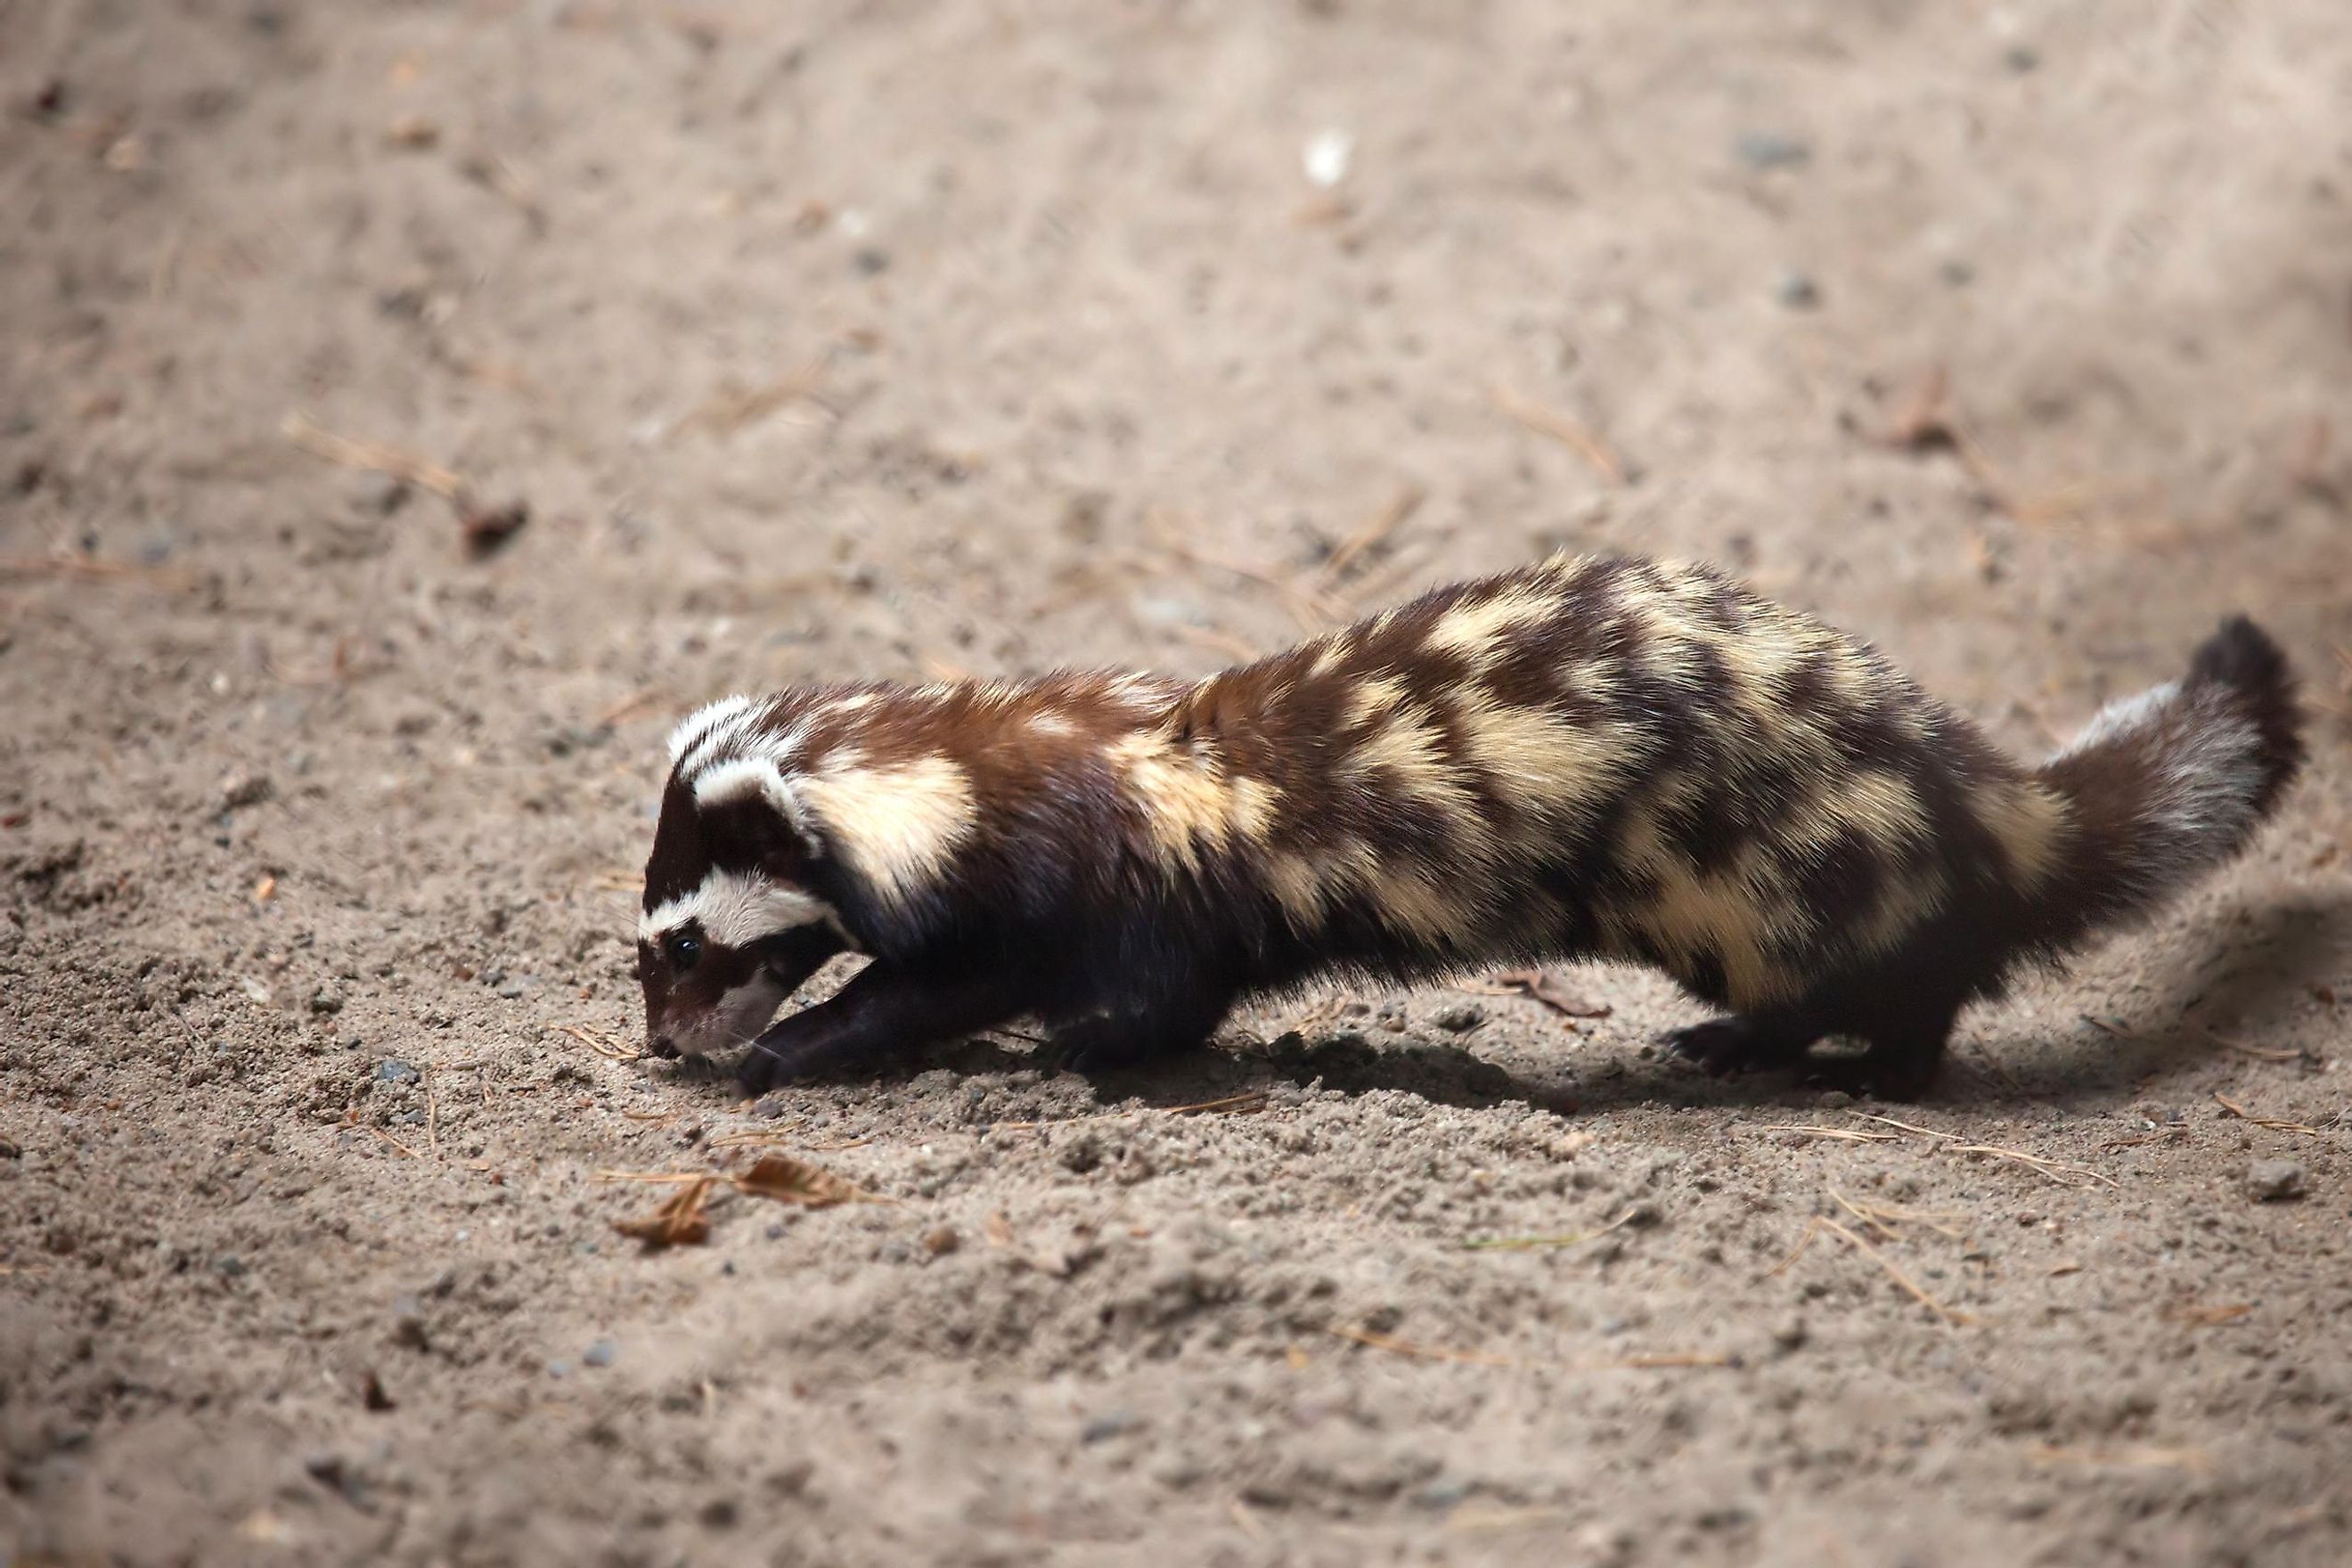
(1609,759)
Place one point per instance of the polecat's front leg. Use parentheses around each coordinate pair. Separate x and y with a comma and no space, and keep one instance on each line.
(886,1012)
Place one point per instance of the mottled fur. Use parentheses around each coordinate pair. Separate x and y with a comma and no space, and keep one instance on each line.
(1592,758)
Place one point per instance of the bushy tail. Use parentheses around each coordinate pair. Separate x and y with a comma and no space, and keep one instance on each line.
(2169,784)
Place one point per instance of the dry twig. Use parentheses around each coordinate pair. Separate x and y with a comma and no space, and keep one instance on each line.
(1540,986)
(2259,1053)
(2057,1171)
(1551,422)
(1541,1243)
(1387,520)
(374,457)
(1666,1361)
(2197,1317)
(1888,1219)
(92,569)
(2275,1123)
(2129,1455)
(1910,1286)
(1845,1134)
(598,1041)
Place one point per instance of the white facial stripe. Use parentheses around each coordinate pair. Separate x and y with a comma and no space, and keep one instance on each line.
(737,909)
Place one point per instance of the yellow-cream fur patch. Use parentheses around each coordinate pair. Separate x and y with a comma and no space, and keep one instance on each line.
(1542,758)
(899,826)
(1477,628)
(1408,747)
(2030,823)
(1188,799)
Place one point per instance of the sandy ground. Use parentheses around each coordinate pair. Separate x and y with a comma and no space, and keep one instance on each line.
(897,336)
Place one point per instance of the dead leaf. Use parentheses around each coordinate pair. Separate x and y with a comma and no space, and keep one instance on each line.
(791,1181)
(1547,989)
(681,1219)
(485,528)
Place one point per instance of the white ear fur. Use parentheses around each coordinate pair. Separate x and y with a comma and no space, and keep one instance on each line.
(758,776)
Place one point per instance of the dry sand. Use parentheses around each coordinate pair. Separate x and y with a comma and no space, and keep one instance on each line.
(888,337)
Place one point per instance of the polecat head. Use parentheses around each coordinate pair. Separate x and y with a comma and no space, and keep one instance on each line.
(733,920)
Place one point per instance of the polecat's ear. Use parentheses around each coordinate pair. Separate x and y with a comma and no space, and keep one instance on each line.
(755,799)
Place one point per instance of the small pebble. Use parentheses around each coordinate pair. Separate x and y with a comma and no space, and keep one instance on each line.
(1797,290)
(2274,1181)
(1458,1017)
(239,790)
(326,1001)
(601,1353)
(559,1369)
(229,1265)
(1789,1334)
(392,1069)
(1103,1428)
(940,1241)
(1771,150)
(408,1323)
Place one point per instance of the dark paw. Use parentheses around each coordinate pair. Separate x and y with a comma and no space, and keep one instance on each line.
(1722,1046)
(773,1063)
(1095,1045)
(1893,1078)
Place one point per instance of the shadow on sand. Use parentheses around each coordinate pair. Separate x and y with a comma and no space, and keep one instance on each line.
(2265,960)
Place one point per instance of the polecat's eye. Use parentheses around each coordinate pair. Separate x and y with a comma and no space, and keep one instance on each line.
(684,951)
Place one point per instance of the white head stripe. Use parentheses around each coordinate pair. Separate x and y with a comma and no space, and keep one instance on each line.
(737,909)
(707,722)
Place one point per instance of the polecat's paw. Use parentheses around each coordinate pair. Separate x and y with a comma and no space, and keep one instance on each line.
(1730,1045)
(1898,1076)
(1106,1043)
(772,1062)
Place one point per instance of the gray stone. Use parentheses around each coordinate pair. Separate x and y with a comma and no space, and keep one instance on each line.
(1104,1428)
(2274,1181)
(1772,150)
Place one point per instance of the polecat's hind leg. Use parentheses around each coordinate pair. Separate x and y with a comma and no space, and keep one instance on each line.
(1744,1042)
(1903,1051)
(1131,1036)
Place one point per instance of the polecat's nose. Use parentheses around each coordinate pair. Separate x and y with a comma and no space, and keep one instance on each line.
(660,1046)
